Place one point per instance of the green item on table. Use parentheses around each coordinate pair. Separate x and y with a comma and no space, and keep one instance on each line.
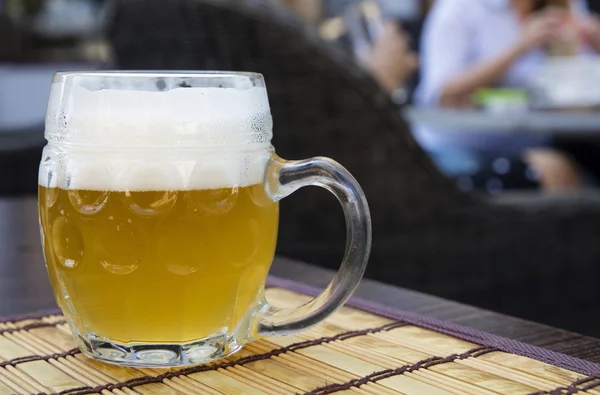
(484,97)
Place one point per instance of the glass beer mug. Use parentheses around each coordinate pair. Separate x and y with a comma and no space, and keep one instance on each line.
(158,203)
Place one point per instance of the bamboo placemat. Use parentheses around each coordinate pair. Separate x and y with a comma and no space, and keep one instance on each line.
(365,349)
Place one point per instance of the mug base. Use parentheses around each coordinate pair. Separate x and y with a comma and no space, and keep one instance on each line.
(159,355)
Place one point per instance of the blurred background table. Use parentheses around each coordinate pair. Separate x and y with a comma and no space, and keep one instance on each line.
(551,123)
(24,288)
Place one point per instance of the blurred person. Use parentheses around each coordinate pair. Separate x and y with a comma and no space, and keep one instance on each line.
(390,59)
(470,45)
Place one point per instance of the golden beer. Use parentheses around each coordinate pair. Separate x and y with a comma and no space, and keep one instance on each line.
(169,266)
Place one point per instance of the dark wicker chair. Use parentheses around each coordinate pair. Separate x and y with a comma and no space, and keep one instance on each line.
(20,153)
(528,255)
(13,40)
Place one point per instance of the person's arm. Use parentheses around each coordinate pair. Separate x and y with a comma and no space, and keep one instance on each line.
(390,61)
(480,76)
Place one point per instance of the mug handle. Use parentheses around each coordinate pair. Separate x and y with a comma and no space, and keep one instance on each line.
(285,177)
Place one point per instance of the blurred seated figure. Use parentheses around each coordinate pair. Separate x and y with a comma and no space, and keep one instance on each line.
(390,59)
(375,33)
(471,45)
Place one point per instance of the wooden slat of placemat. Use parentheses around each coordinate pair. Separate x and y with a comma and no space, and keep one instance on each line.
(353,352)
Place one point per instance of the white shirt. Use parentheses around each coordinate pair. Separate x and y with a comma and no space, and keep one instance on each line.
(460,34)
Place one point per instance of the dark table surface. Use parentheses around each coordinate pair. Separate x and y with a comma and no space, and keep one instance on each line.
(24,288)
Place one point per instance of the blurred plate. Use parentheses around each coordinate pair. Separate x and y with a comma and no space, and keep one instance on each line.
(567,82)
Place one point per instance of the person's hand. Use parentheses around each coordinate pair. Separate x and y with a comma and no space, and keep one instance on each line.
(542,28)
(590,32)
(391,60)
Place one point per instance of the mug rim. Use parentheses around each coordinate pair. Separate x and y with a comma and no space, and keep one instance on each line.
(83,108)
(157,73)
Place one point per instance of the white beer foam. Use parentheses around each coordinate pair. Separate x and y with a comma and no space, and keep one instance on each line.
(183,138)
(151,169)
